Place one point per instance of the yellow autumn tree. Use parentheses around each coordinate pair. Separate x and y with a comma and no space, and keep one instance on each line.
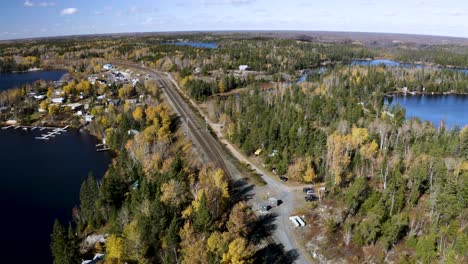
(240,220)
(309,175)
(239,252)
(193,246)
(114,249)
(138,114)
(84,86)
(134,247)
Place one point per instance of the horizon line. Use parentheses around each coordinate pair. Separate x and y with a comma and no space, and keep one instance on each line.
(227,31)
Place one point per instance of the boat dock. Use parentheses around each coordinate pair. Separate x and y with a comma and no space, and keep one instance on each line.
(53,133)
(102,147)
(55,130)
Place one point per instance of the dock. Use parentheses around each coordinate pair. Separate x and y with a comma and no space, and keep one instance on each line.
(102,149)
(54,131)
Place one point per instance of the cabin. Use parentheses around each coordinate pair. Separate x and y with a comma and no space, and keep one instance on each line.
(108,67)
(97,258)
(243,67)
(88,118)
(75,106)
(114,102)
(11,122)
(58,100)
(39,97)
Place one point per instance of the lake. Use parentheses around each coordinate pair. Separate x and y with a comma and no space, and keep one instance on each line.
(206,45)
(453,109)
(11,80)
(40,182)
(390,63)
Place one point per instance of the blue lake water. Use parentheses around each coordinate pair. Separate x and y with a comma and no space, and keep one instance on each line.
(206,45)
(11,80)
(41,182)
(390,63)
(452,109)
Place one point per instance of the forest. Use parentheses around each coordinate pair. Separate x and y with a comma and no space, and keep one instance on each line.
(397,188)
(403,183)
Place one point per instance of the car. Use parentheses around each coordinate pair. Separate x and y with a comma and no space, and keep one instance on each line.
(283,178)
(309,198)
(310,192)
(306,189)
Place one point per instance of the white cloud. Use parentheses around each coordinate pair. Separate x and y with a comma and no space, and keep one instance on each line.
(69,11)
(28,3)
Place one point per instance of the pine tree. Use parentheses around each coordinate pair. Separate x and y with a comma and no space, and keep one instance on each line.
(58,243)
(72,250)
(89,194)
(203,220)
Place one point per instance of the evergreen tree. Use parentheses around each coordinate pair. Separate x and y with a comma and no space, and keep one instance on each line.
(89,194)
(58,243)
(203,220)
(64,246)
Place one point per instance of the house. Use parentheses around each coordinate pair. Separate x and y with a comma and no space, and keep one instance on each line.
(243,67)
(58,84)
(39,97)
(133,132)
(88,118)
(131,101)
(95,260)
(58,100)
(108,67)
(59,92)
(11,122)
(114,102)
(75,106)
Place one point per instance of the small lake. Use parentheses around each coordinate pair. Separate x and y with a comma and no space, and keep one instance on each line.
(390,63)
(453,109)
(11,80)
(41,181)
(206,45)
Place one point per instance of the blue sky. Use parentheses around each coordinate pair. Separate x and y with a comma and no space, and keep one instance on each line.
(37,18)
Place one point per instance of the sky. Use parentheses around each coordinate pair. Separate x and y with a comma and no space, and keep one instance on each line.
(41,18)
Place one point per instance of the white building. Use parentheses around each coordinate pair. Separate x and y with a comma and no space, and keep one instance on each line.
(108,67)
(75,106)
(243,67)
(88,118)
(58,100)
(39,97)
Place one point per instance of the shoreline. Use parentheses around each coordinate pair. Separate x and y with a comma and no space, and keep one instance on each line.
(425,93)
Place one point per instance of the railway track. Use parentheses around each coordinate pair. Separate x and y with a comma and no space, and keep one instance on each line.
(213,150)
